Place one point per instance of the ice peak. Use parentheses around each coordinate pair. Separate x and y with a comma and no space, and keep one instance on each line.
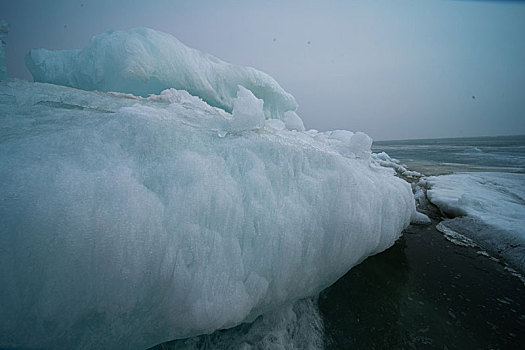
(143,61)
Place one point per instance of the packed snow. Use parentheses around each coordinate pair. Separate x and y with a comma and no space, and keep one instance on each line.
(492,206)
(143,61)
(128,220)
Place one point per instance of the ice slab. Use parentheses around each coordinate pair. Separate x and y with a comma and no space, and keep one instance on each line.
(128,221)
(143,61)
(493,205)
(292,121)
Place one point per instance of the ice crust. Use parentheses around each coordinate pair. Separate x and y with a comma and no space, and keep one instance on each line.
(4,29)
(493,205)
(143,61)
(128,221)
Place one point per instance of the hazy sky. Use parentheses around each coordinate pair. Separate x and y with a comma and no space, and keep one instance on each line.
(393,69)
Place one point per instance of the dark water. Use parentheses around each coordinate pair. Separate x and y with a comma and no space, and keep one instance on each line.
(438,156)
(425,293)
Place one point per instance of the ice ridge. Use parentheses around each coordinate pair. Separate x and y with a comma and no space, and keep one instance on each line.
(143,61)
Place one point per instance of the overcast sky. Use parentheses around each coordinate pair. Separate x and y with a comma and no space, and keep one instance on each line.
(393,69)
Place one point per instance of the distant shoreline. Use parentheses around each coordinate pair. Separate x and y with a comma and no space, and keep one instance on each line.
(379,142)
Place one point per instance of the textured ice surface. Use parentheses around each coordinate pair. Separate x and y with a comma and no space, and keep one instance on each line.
(455,237)
(494,204)
(292,121)
(143,61)
(247,112)
(129,221)
(384,159)
(420,219)
(498,198)
(293,326)
(3,59)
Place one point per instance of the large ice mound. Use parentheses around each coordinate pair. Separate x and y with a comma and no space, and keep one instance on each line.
(143,61)
(129,221)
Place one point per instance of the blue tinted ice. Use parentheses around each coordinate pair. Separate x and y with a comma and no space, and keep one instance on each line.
(143,61)
(129,221)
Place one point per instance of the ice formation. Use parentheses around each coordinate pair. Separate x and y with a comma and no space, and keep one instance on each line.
(129,221)
(3,59)
(498,198)
(143,61)
(384,159)
(293,326)
(292,121)
(493,205)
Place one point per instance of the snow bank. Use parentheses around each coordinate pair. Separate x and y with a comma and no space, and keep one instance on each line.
(4,28)
(129,221)
(494,204)
(143,61)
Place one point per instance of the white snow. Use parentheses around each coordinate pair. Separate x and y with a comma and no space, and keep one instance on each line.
(143,61)
(4,28)
(129,221)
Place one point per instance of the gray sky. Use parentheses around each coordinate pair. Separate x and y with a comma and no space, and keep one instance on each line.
(393,69)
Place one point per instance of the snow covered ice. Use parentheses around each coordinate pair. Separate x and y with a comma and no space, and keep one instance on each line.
(493,205)
(143,61)
(497,198)
(127,221)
